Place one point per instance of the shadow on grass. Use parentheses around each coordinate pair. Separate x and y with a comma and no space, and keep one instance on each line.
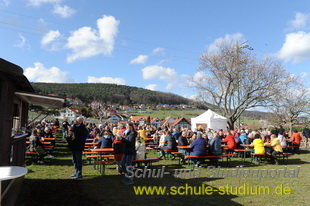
(108,190)
(53,162)
(37,192)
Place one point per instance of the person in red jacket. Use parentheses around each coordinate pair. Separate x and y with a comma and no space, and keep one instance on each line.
(296,138)
(230,140)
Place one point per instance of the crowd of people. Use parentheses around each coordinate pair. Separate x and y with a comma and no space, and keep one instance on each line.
(129,140)
(202,142)
(37,132)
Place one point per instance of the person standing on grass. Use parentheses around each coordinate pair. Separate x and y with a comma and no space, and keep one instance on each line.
(296,138)
(65,129)
(118,147)
(129,150)
(76,144)
(306,134)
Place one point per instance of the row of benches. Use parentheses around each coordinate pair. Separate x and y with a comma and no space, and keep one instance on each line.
(283,155)
(103,163)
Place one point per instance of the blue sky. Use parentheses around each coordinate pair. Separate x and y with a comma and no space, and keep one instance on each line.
(149,44)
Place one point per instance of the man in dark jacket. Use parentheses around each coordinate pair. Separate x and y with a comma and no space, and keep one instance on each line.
(306,134)
(183,142)
(129,151)
(76,144)
(215,149)
(65,128)
(199,147)
(183,139)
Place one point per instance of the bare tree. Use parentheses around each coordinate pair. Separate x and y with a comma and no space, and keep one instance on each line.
(99,109)
(235,80)
(292,102)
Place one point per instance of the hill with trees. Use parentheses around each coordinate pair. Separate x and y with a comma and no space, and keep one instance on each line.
(110,93)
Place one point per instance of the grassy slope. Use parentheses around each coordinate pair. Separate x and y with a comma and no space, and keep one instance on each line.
(162,114)
(50,184)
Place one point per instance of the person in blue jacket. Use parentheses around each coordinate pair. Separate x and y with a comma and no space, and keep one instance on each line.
(105,141)
(199,146)
(215,149)
(243,136)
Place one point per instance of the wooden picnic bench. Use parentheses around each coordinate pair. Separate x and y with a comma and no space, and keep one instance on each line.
(98,156)
(191,158)
(103,163)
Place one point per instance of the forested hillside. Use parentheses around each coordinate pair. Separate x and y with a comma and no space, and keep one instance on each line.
(111,93)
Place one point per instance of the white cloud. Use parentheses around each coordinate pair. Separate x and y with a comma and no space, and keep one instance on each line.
(151,87)
(296,47)
(155,71)
(106,80)
(229,38)
(38,3)
(7,2)
(51,38)
(158,50)
(39,73)
(21,43)
(64,11)
(191,96)
(141,59)
(168,75)
(300,21)
(87,42)
(199,76)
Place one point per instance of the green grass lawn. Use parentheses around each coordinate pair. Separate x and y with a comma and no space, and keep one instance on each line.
(50,184)
(162,114)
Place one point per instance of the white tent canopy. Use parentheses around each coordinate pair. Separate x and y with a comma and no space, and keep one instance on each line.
(209,119)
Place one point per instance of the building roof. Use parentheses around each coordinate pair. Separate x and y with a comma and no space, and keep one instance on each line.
(154,119)
(76,111)
(14,73)
(165,121)
(178,120)
(137,118)
(49,101)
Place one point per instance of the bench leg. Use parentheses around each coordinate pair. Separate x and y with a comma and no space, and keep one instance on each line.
(102,168)
(190,163)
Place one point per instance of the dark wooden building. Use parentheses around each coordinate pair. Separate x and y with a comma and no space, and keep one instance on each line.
(13,112)
(15,95)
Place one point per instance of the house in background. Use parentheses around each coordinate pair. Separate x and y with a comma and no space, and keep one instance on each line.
(181,123)
(155,122)
(168,121)
(128,109)
(117,118)
(140,120)
(69,101)
(70,114)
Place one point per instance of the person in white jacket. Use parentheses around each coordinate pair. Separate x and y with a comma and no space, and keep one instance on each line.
(282,140)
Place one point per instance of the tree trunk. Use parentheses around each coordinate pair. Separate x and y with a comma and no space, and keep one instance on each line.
(231,124)
(291,128)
